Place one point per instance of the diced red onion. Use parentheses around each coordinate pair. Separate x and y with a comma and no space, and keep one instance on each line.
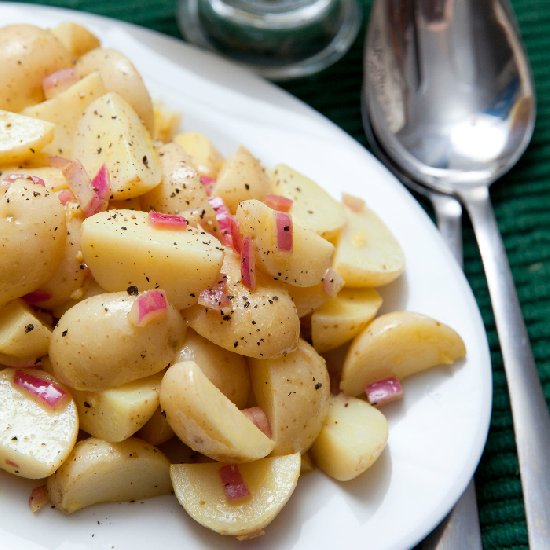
(234,486)
(248,263)
(353,203)
(278,202)
(36,297)
(10,178)
(258,417)
(59,81)
(58,162)
(333,282)
(148,306)
(168,221)
(39,498)
(65,196)
(283,222)
(11,463)
(215,297)
(79,183)
(226,223)
(208,183)
(101,188)
(46,391)
(384,391)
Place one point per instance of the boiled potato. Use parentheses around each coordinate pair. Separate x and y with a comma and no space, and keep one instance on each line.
(353,436)
(262,323)
(343,317)
(97,471)
(367,253)
(156,430)
(228,371)
(32,237)
(294,392)
(111,133)
(95,346)
(21,137)
(304,265)
(206,158)
(312,206)
(166,122)
(398,344)
(120,76)
(270,481)
(27,54)
(241,177)
(22,333)
(76,38)
(65,111)
(307,298)
(115,414)
(34,438)
(123,249)
(203,418)
(53,178)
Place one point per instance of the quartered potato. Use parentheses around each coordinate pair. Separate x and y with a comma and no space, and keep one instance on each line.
(398,344)
(156,430)
(367,253)
(353,436)
(203,418)
(307,298)
(76,38)
(97,471)
(270,481)
(204,155)
(34,438)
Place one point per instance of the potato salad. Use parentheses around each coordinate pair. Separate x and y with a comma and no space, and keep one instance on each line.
(174,321)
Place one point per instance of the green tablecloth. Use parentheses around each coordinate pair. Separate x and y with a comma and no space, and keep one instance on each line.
(521,201)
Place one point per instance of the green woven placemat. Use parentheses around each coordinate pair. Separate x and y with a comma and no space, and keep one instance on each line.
(521,201)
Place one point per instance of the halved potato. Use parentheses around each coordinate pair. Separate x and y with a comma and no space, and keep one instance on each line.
(204,155)
(271,482)
(352,438)
(34,438)
(203,418)
(97,471)
(398,344)
(307,298)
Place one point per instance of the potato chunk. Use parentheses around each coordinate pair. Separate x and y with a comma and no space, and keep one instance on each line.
(203,418)
(34,439)
(271,482)
(353,436)
(294,393)
(398,344)
(123,249)
(76,38)
(111,133)
(204,155)
(367,253)
(97,471)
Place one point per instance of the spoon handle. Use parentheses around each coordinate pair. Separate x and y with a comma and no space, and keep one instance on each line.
(529,409)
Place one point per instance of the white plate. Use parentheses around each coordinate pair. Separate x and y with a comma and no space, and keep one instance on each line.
(436,434)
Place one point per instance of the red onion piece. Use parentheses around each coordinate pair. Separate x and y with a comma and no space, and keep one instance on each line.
(248,263)
(39,498)
(36,297)
(58,162)
(258,417)
(278,202)
(333,282)
(65,196)
(353,203)
(79,183)
(168,221)
(234,486)
(283,222)
(101,188)
(47,392)
(59,81)
(215,297)
(384,391)
(226,222)
(208,183)
(10,178)
(149,306)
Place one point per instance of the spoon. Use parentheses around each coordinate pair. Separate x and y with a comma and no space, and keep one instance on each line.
(453,106)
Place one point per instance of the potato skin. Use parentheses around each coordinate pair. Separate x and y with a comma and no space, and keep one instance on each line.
(95,347)
(27,54)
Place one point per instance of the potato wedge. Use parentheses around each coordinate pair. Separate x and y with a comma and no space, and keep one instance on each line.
(122,249)
(97,471)
(271,482)
(76,38)
(206,158)
(343,317)
(307,298)
(114,415)
(305,265)
(156,430)
(312,207)
(294,392)
(367,253)
(203,418)
(111,133)
(21,137)
(398,344)
(34,439)
(352,438)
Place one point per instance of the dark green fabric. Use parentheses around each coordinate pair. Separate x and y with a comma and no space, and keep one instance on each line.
(521,201)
